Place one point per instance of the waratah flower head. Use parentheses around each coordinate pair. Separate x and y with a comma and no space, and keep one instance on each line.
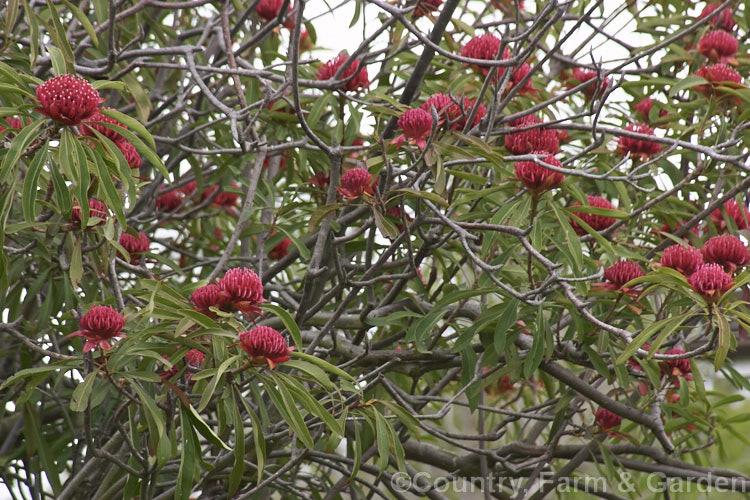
(734,211)
(622,272)
(194,358)
(417,125)
(130,153)
(638,147)
(135,246)
(320,181)
(592,89)
(94,123)
(597,222)
(265,345)
(532,139)
(644,107)
(711,282)
(724,20)
(682,258)
(359,81)
(537,178)
(607,420)
(280,250)
(726,250)
(96,209)
(98,326)
(718,75)
(189,188)
(67,99)
(244,290)
(168,201)
(268,10)
(455,111)
(719,46)
(677,367)
(12,123)
(355,183)
(209,296)
(485,47)
(426,7)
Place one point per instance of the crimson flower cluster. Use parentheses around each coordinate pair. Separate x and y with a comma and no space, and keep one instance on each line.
(135,246)
(359,78)
(417,125)
(426,7)
(96,209)
(719,46)
(268,10)
(735,212)
(99,326)
(533,137)
(537,178)
(487,47)
(580,75)
(239,288)
(596,222)
(67,99)
(607,420)
(638,147)
(279,251)
(355,183)
(264,345)
(455,112)
(724,20)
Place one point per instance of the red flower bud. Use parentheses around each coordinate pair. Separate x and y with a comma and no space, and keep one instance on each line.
(169,200)
(682,258)
(726,250)
(597,222)
(734,211)
(622,272)
(677,367)
(96,209)
(537,178)
(329,69)
(426,7)
(279,251)
(209,296)
(725,20)
(355,183)
(130,153)
(718,46)
(606,420)
(534,139)
(417,125)
(591,90)
(90,125)
(98,326)
(638,147)
(243,289)
(67,99)
(456,112)
(718,75)
(711,282)
(265,345)
(135,246)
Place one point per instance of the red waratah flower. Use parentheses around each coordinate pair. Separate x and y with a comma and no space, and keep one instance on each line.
(537,178)
(718,75)
(638,147)
(279,251)
(718,46)
(209,296)
(244,290)
(355,183)
(194,358)
(329,69)
(268,10)
(596,222)
(135,246)
(725,20)
(98,326)
(305,42)
(726,250)
(265,345)
(620,273)
(189,188)
(606,420)
(455,112)
(534,139)
(710,281)
(644,107)
(426,7)
(169,200)
(67,99)
(677,367)
(519,74)
(395,211)
(92,124)
(11,122)
(96,209)
(417,125)
(735,212)
(682,258)
(485,47)
(320,181)
(130,153)
(592,90)
(223,199)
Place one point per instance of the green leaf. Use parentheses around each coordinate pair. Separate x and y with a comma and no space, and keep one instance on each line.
(84,20)
(209,390)
(129,122)
(59,36)
(725,338)
(18,148)
(238,469)
(643,337)
(289,323)
(433,197)
(325,365)
(188,458)
(381,435)
(285,405)
(387,228)
(320,213)
(76,264)
(30,184)
(315,372)
(301,248)
(79,400)
(204,428)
